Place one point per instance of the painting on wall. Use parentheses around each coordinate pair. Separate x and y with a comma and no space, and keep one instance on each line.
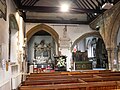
(3,9)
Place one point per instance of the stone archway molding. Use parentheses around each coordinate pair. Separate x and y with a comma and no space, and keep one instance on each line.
(96,34)
(44,27)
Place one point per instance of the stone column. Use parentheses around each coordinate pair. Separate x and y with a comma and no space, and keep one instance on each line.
(116,58)
(109,59)
(113,63)
(118,54)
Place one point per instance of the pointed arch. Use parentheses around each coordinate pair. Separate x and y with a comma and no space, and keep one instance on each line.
(13,34)
(115,30)
(13,22)
(97,34)
(44,27)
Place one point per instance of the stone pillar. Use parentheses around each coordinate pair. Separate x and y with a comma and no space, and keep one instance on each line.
(118,54)
(109,59)
(116,58)
(113,63)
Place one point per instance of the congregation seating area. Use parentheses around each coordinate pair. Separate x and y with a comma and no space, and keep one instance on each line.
(76,80)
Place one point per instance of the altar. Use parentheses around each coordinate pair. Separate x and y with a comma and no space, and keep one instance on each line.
(81,61)
(83,65)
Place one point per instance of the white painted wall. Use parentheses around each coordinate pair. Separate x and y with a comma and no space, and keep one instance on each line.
(73,31)
(81,45)
(5,76)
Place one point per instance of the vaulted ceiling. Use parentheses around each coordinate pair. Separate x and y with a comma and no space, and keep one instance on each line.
(48,11)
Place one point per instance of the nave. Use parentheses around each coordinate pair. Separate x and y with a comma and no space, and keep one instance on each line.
(42,47)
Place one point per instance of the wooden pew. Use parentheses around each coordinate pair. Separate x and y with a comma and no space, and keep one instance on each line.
(71,81)
(74,86)
(57,77)
(54,81)
(71,73)
(102,79)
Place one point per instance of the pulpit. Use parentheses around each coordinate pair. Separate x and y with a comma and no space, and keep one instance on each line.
(60,63)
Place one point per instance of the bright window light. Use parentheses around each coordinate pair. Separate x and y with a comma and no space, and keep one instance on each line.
(64,8)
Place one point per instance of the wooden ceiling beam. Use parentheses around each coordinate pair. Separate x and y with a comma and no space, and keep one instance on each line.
(79,6)
(24,2)
(17,3)
(100,4)
(83,4)
(94,4)
(86,4)
(35,1)
(89,15)
(90,4)
(31,1)
(76,3)
(44,9)
(27,2)
(56,21)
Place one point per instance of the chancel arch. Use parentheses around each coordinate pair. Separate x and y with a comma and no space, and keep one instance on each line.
(42,41)
(44,27)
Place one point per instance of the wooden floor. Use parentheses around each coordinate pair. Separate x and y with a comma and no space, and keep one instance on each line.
(85,80)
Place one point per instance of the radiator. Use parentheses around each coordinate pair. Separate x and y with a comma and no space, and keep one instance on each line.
(16,80)
(5,86)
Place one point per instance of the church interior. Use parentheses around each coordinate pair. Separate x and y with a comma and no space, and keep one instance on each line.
(59,44)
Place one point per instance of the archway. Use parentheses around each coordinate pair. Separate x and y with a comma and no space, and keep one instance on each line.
(13,38)
(42,45)
(84,36)
(90,50)
(44,27)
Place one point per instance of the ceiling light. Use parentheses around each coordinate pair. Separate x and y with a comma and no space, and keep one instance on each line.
(95,14)
(64,8)
(107,5)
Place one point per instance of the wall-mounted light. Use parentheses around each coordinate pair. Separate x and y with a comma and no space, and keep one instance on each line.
(97,27)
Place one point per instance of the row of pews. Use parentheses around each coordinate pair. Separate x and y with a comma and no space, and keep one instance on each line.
(86,80)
